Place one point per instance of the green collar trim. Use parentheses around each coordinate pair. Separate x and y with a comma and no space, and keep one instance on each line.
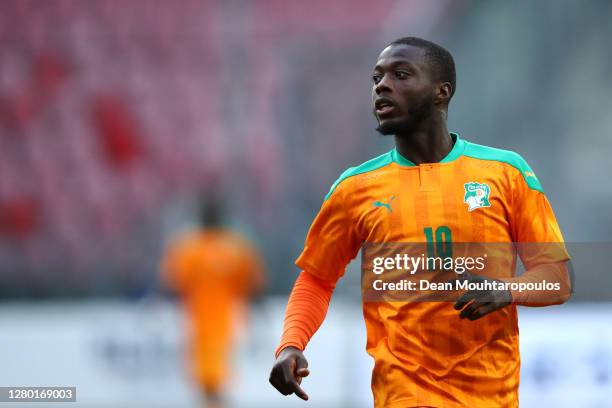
(399,159)
(454,154)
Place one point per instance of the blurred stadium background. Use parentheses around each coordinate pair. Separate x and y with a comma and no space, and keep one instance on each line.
(116,115)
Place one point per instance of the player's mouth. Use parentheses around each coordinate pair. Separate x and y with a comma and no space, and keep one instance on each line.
(384,107)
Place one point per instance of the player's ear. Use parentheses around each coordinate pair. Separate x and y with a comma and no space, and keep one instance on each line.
(444,92)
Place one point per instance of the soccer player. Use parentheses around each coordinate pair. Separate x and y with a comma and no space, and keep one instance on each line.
(432,185)
(214,272)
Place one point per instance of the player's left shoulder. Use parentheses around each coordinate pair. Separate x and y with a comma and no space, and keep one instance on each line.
(513,159)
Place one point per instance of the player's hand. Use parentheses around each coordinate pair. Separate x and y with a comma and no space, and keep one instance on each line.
(478,303)
(288,370)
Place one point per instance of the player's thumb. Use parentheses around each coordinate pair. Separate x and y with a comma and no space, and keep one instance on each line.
(301,368)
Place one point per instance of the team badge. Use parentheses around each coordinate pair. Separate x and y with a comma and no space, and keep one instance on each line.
(476,195)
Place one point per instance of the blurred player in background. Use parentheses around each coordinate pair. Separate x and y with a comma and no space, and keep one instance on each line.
(214,272)
(433,183)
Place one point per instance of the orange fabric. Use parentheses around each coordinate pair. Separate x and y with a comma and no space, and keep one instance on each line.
(424,353)
(306,310)
(214,272)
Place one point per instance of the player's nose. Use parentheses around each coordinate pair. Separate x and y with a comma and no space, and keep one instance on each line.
(383,85)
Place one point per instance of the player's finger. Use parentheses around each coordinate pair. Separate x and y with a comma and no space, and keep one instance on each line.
(469,309)
(301,364)
(480,308)
(295,387)
(283,376)
(303,372)
(464,299)
(280,385)
(288,373)
(484,310)
(279,380)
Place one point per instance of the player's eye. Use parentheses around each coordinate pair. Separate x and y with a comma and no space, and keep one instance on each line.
(401,74)
(376,78)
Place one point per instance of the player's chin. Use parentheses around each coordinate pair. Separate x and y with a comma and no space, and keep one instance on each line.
(390,127)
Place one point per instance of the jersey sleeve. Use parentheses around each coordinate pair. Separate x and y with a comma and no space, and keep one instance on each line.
(332,241)
(533,223)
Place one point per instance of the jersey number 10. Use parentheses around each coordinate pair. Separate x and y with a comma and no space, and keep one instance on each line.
(441,246)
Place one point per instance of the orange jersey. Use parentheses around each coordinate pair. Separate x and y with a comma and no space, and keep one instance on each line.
(424,354)
(214,272)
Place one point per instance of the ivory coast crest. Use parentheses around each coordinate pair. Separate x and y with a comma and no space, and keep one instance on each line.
(476,195)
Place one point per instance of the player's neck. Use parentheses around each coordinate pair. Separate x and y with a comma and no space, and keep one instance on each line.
(428,145)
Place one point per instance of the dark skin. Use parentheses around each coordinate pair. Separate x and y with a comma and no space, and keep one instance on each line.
(288,370)
(412,104)
(475,304)
(404,79)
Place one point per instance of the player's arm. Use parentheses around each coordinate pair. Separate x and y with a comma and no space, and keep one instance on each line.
(475,304)
(540,246)
(306,310)
(331,243)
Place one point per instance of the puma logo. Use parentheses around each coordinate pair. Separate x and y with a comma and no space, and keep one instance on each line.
(386,205)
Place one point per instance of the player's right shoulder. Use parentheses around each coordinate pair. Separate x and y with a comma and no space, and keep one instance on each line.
(367,167)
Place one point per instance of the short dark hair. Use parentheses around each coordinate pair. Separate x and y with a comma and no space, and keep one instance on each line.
(438,57)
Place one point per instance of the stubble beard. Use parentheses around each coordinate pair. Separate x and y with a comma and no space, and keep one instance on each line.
(416,115)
